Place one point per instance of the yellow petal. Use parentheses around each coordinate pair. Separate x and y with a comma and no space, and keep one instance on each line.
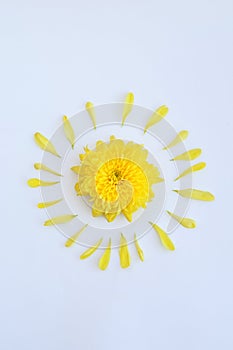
(105,258)
(45,144)
(69,131)
(76,169)
(37,182)
(40,166)
(70,241)
(179,138)
(98,143)
(63,219)
(124,253)
(77,189)
(128,215)
(96,212)
(43,205)
(186,222)
(166,241)
(110,216)
(82,156)
(139,249)
(86,149)
(192,169)
(158,115)
(91,250)
(195,194)
(91,112)
(158,179)
(128,105)
(189,155)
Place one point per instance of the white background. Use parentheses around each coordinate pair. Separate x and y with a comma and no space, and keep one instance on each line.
(55,55)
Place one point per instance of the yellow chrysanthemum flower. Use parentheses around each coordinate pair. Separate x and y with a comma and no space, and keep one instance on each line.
(117,178)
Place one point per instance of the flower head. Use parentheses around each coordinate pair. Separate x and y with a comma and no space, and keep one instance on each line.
(117,178)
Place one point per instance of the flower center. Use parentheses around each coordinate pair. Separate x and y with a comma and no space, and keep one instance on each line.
(119,176)
(115,177)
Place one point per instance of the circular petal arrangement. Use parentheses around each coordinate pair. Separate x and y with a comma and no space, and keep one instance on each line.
(116,179)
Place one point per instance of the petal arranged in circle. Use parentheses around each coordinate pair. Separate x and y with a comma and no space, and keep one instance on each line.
(165,240)
(91,250)
(45,144)
(34,182)
(195,194)
(105,258)
(91,111)
(43,205)
(138,248)
(192,169)
(128,105)
(124,253)
(189,155)
(158,115)
(69,131)
(186,222)
(62,219)
(71,240)
(179,138)
(40,166)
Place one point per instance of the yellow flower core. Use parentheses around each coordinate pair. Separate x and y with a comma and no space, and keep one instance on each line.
(117,178)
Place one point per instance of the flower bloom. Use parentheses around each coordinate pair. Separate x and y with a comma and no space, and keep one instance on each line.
(117,178)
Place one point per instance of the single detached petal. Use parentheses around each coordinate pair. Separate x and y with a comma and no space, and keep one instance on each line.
(69,131)
(186,222)
(128,105)
(105,258)
(195,194)
(91,250)
(124,253)
(91,111)
(43,205)
(179,138)
(158,115)
(166,241)
(70,241)
(62,219)
(40,166)
(189,155)
(76,169)
(192,169)
(37,182)
(45,144)
(139,249)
